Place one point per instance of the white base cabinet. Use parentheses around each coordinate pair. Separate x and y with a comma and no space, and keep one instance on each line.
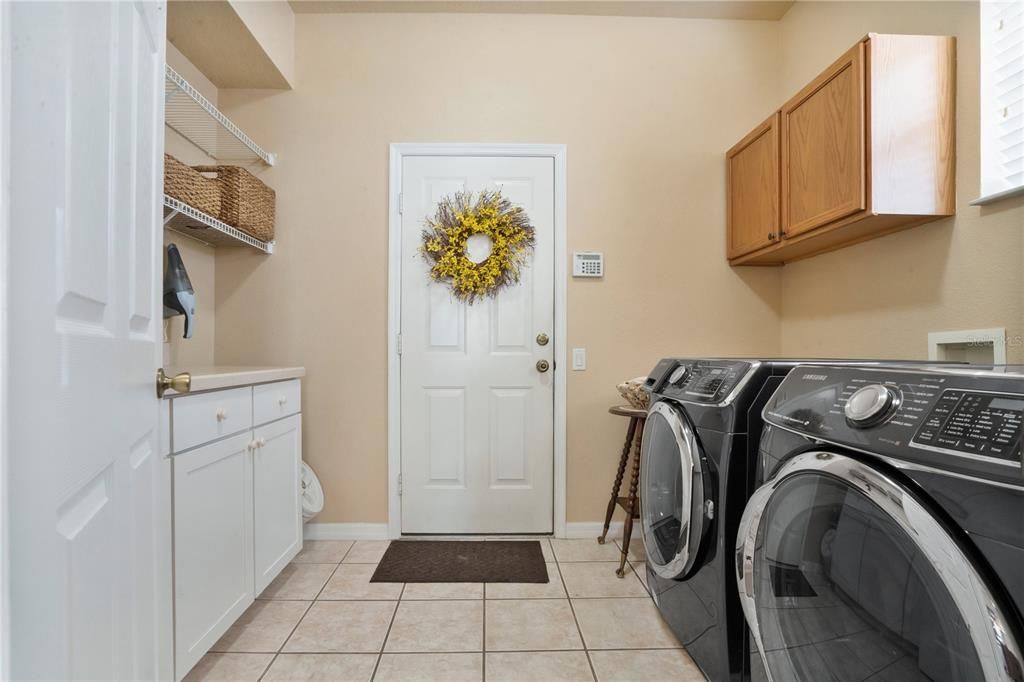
(237,505)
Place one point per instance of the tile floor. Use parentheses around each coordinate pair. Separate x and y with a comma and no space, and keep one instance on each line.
(322,619)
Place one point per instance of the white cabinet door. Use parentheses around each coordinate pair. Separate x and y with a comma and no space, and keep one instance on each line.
(86,521)
(277,504)
(213,567)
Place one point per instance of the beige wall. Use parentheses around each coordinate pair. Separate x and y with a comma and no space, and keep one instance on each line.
(881,298)
(647,108)
(198,258)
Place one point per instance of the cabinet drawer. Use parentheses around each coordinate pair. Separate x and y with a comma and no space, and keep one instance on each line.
(201,418)
(276,400)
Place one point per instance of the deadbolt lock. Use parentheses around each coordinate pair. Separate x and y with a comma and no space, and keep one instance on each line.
(543,365)
(542,339)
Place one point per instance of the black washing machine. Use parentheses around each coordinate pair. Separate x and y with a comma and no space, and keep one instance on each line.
(886,539)
(697,472)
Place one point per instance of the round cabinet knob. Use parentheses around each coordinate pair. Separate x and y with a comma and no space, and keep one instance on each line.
(282,400)
(871,404)
(222,414)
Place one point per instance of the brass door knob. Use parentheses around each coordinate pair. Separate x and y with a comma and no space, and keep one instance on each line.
(543,365)
(182,383)
(542,339)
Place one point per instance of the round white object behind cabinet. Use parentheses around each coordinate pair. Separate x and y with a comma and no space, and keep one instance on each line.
(312,494)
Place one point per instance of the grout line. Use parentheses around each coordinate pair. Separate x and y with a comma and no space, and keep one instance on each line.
(384,643)
(315,599)
(483,641)
(572,609)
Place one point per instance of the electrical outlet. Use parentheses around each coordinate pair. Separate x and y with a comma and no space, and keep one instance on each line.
(579,358)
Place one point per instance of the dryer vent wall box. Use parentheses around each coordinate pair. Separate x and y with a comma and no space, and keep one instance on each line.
(587,264)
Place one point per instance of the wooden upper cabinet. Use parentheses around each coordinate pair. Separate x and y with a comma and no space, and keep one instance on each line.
(752,178)
(823,147)
(865,149)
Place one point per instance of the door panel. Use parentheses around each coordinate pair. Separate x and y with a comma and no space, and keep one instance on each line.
(823,148)
(477,416)
(89,529)
(752,169)
(277,501)
(213,552)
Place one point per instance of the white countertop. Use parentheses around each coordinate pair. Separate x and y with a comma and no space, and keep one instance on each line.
(227,376)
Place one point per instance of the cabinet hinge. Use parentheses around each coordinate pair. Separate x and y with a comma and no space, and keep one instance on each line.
(399,485)
(398,344)
(401,203)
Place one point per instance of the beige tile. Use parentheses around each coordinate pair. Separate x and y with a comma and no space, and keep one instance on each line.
(263,627)
(531,625)
(430,667)
(352,581)
(550,666)
(598,579)
(322,551)
(233,667)
(636,545)
(366,551)
(298,581)
(426,626)
(550,590)
(545,545)
(443,591)
(338,667)
(585,549)
(650,666)
(631,623)
(342,627)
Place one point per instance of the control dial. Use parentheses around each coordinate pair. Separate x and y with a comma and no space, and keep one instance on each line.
(677,375)
(871,404)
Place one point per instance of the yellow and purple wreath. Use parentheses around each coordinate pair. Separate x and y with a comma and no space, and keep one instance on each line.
(458,218)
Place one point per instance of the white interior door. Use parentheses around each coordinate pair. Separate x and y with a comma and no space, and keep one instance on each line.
(88,493)
(477,414)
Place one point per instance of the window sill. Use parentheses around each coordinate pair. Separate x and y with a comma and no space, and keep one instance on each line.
(998,196)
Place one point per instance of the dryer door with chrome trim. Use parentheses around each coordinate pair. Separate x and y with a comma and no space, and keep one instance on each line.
(844,574)
(674,512)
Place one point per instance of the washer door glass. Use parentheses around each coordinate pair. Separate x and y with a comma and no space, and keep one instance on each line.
(838,587)
(672,494)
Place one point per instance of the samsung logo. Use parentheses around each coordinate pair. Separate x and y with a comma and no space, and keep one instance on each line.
(815,377)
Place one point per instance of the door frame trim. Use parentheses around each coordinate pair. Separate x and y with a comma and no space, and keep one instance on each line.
(397,152)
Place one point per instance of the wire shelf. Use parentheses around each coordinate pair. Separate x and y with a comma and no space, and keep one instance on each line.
(194,117)
(183,219)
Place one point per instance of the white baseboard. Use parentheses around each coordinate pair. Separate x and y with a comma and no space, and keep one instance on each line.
(592,529)
(345,531)
(379,531)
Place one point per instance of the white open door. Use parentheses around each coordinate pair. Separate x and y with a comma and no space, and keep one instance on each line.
(87,490)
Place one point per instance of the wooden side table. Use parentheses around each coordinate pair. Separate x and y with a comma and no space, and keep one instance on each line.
(631,502)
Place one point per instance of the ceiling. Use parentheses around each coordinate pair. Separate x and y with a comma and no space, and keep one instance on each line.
(689,9)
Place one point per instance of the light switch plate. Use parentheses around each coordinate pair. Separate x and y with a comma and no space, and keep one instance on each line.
(579,358)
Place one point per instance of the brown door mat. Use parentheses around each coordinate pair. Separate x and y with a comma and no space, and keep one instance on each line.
(462,561)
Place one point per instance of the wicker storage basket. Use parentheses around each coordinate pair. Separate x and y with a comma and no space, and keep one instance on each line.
(245,202)
(185,184)
(634,393)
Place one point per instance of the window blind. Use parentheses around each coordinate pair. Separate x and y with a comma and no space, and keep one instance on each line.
(1002,97)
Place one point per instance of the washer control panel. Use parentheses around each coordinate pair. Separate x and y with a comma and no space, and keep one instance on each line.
(701,381)
(972,420)
(975,423)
